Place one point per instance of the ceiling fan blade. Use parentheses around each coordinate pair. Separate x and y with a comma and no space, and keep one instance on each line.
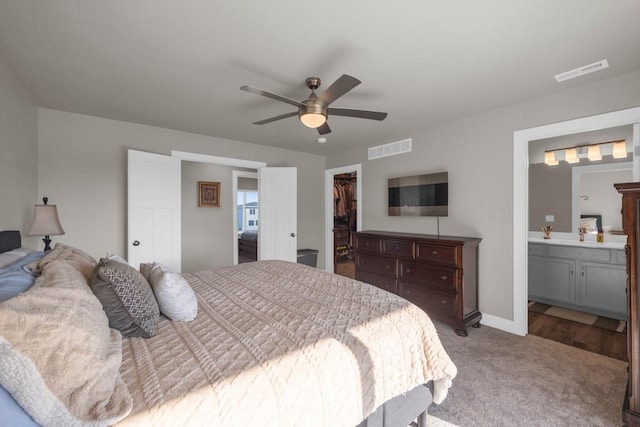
(338,88)
(361,114)
(324,129)
(276,118)
(270,95)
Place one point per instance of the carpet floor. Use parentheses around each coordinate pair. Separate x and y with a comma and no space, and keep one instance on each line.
(510,380)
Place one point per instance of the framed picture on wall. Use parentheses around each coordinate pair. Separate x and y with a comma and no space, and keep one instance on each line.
(209,194)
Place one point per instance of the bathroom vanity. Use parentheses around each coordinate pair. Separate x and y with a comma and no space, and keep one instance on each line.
(585,276)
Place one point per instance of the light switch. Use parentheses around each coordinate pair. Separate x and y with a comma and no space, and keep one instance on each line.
(549,218)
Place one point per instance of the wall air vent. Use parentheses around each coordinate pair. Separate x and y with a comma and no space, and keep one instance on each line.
(390,149)
(586,69)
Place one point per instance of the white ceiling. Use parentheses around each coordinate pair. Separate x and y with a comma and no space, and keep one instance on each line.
(179,63)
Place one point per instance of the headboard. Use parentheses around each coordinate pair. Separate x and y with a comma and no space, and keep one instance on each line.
(9,240)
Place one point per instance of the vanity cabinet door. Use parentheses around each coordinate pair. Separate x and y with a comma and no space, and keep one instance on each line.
(603,288)
(552,280)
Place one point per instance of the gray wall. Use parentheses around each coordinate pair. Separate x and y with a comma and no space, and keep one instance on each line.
(478,154)
(207,231)
(82,162)
(550,194)
(19,159)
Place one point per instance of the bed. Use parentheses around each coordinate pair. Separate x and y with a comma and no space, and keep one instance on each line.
(248,246)
(270,343)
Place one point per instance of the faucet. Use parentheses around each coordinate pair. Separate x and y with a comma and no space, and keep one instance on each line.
(582,231)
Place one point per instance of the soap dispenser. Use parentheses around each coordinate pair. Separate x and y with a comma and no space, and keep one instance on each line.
(600,236)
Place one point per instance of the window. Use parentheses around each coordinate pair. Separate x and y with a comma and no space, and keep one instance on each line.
(247,206)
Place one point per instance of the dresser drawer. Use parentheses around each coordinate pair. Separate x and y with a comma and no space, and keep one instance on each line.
(376,265)
(428,275)
(382,282)
(435,253)
(368,244)
(399,248)
(429,298)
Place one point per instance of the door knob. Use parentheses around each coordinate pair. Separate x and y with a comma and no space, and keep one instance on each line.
(136,243)
(293,234)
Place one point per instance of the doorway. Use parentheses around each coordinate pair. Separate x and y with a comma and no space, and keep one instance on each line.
(343,217)
(246,222)
(519,325)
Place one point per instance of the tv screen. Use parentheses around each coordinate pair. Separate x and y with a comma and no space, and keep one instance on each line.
(419,195)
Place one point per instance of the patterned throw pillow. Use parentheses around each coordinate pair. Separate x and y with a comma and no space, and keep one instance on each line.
(127,299)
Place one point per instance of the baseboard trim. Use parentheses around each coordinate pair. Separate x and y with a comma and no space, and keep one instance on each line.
(499,323)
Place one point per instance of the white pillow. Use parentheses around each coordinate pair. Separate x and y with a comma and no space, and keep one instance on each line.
(175,297)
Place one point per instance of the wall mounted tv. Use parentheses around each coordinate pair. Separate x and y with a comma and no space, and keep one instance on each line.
(419,195)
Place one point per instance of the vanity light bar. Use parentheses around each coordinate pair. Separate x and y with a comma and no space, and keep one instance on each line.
(593,152)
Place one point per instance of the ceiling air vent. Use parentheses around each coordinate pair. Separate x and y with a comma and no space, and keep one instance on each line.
(390,149)
(586,69)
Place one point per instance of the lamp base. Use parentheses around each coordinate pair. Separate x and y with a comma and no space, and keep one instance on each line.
(47,242)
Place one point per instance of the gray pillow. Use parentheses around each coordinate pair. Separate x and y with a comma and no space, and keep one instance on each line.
(127,299)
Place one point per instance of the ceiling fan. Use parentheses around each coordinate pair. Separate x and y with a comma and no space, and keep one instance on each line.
(314,111)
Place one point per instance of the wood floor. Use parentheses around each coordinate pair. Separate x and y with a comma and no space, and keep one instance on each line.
(586,337)
(346,268)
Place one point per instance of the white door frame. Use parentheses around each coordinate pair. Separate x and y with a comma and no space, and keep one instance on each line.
(521,141)
(235,174)
(225,161)
(328,208)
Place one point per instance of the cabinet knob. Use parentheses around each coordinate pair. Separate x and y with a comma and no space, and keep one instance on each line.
(408,270)
(444,277)
(388,266)
(434,253)
(397,248)
(444,301)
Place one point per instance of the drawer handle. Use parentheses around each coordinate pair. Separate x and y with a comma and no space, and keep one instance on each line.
(408,270)
(434,253)
(444,301)
(444,277)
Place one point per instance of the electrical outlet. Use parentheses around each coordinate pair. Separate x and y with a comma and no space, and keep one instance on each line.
(549,218)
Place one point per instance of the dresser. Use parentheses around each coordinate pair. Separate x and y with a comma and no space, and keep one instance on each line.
(438,274)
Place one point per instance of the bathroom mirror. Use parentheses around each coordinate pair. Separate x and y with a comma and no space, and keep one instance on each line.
(560,194)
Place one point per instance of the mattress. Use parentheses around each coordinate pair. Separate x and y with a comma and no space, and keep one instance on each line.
(280,343)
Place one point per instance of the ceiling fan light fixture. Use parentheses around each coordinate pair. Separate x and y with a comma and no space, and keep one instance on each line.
(313,120)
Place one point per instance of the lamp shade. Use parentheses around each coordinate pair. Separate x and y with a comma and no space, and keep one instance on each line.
(550,158)
(571,155)
(619,150)
(45,222)
(593,153)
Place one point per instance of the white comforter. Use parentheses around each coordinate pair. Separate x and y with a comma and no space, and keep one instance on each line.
(278,343)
